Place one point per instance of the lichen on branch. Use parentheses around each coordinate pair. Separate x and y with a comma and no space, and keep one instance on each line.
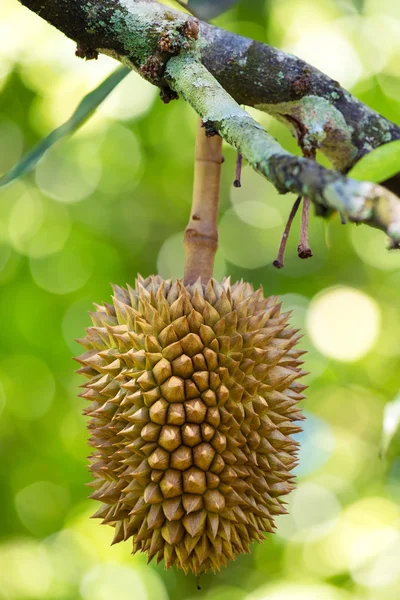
(183,57)
(361,202)
(309,102)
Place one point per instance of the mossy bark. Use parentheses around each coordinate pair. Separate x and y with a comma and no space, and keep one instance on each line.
(175,52)
(312,104)
(329,190)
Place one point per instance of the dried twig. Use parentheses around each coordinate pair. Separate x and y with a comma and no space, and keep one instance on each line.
(279,263)
(238,177)
(303,249)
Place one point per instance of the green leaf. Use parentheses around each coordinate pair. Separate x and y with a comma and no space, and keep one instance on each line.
(390,443)
(82,113)
(378,165)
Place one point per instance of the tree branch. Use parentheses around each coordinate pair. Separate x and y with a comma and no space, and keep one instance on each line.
(315,107)
(166,47)
(361,202)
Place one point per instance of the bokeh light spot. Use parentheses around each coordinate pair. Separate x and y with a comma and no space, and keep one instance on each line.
(75,320)
(313,510)
(111,580)
(38,227)
(298,306)
(121,156)
(343,65)
(132,98)
(171,259)
(365,533)
(69,560)
(28,386)
(2,398)
(11,143)
(226,593)
(64,271)
(371,248)
(69,173)
(10,262)
(25,220)
(375,561)
(344,323)
(317,443)
(41,505)
(25,570)
(247,246)
(258,214)
(299,591)
(5,252)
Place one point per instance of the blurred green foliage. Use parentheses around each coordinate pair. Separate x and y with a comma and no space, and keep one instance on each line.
(379,165)
(113,201)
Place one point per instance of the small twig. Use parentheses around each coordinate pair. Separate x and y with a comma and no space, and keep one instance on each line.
(303,249)
(343,219)
(279,262)
(201,235)
(238,178)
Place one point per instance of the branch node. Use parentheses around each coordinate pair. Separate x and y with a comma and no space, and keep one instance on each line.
(86,53)
(302,84)
(210,129)
(167,95)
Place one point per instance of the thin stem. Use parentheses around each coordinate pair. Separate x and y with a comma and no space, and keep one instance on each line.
(304,250)
(201,235)
(279,263)
(238,177)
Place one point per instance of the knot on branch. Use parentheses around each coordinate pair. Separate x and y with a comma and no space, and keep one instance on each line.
(175,37)
(173,41)
(209,128)
(83,51)
(302,84)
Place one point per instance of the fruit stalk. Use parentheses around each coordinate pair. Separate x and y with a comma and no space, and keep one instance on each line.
(201,235)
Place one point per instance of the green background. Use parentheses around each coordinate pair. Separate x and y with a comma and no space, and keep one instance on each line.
(113,201)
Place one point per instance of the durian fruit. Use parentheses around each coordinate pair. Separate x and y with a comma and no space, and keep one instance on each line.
(194,395)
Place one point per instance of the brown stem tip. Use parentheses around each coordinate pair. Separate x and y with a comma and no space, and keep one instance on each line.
(303,250)
(238,177)
(279,263)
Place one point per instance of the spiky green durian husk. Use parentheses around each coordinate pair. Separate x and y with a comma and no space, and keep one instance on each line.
(194,394)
